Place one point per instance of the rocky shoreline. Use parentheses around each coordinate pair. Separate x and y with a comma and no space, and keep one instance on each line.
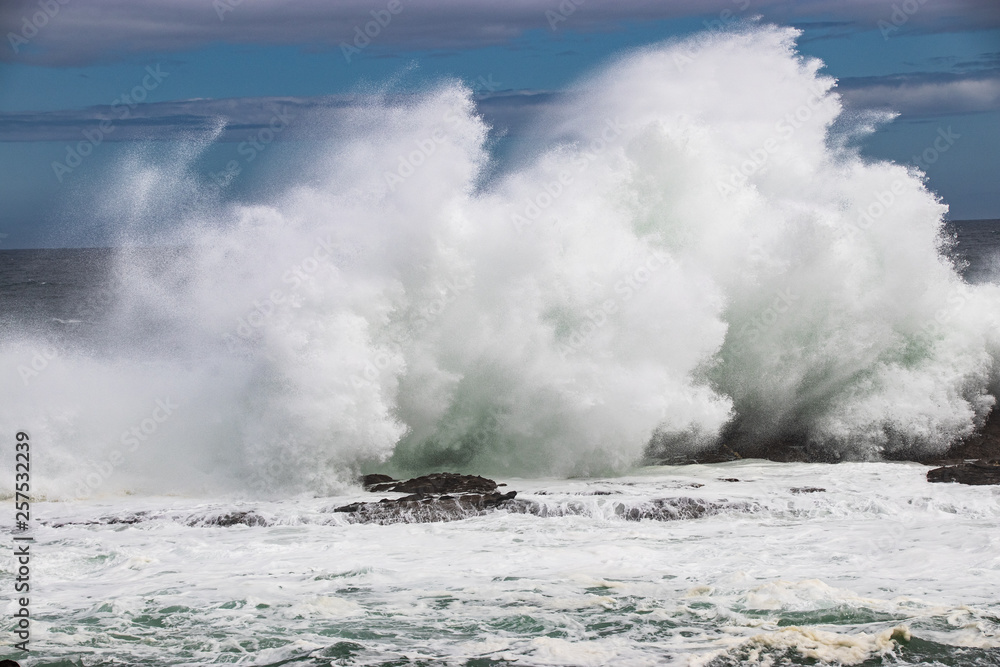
(437,497)
(451,497)
(973,461)
(978,473)
(984,445)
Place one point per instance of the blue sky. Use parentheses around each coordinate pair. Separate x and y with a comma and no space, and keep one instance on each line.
(166,71)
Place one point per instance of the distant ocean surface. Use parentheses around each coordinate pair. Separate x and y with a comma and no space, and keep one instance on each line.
(692,256)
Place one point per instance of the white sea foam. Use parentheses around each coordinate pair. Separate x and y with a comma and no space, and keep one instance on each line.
(833,575)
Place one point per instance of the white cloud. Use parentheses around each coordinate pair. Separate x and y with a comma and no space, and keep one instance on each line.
(105,30)
(922,98)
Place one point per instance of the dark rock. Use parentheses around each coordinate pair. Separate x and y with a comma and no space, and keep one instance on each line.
(728,479)
(743,440)
(442,496)
(807,489)
(746,439)
(956,464)
(582,493)
(439,482)
(230,519)
(672,509)
(125,519)
(976,473)
(128,520)
(425,508)
(719,454)
(782,450)
(369,481)
(545,510)
(451,497)
(789,449)
(660,509)
(984,445)
(237,518)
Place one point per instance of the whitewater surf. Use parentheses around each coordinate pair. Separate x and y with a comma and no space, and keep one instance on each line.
(696,253)
(690,253)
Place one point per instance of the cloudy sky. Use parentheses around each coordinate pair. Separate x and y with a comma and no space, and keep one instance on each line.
(107,77)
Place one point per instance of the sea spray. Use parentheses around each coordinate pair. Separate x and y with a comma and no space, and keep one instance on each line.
(800,294)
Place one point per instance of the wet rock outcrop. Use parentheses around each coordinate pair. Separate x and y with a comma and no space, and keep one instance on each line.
(442,496)
(238,518)
(674,509)
(450,497)
(740,441)
(425,508)
(436,483)
(370,481)
(984,445)
(974,461)
(975,473)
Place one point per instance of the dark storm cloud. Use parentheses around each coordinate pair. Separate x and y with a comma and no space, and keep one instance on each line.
(78,32)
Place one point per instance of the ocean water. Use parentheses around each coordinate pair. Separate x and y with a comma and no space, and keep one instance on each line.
(877,568)
(694,254)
